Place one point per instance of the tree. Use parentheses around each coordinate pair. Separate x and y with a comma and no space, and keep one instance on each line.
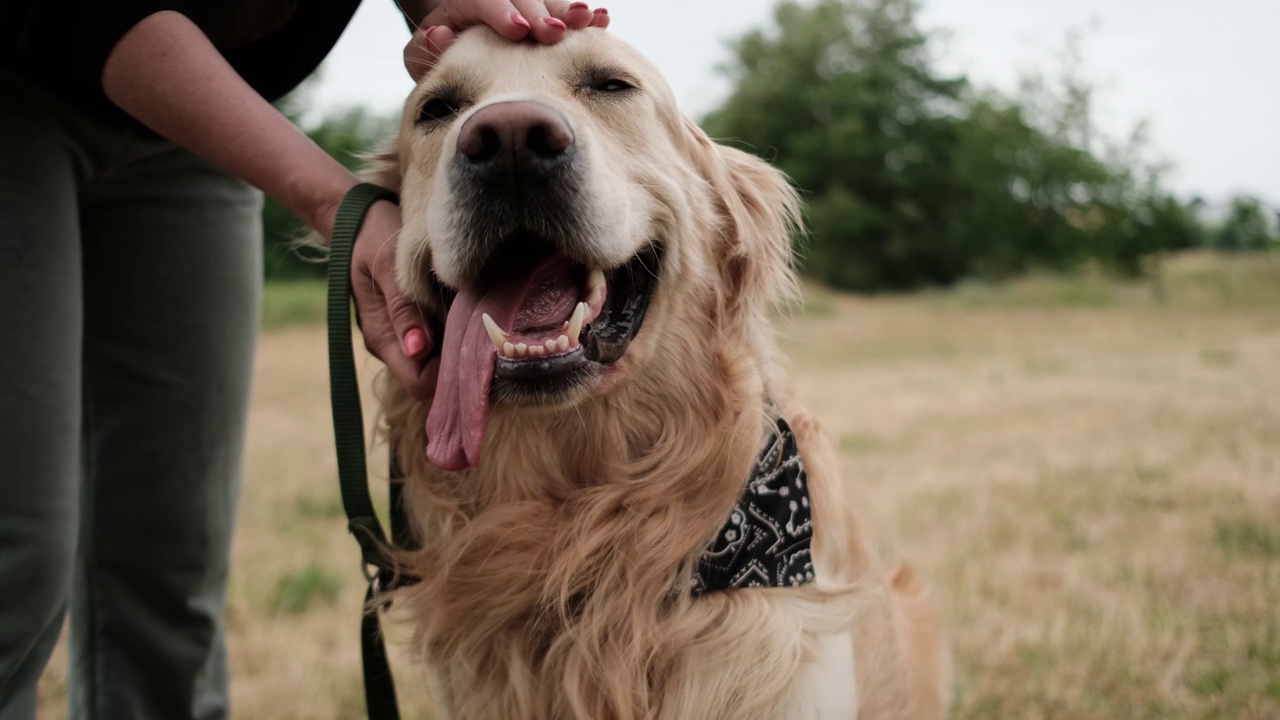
(346,135)
(843,96)
(1245,228)
(915,179)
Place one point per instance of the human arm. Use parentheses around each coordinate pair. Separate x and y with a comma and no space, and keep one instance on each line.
(166,73)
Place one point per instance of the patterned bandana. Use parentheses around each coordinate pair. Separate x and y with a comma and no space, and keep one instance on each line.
(765,542)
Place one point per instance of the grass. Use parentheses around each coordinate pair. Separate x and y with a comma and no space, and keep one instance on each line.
(296,593)
(293,302)
(1092,488)
(1247,537)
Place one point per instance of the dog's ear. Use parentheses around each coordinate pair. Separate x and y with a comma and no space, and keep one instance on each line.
(759,216)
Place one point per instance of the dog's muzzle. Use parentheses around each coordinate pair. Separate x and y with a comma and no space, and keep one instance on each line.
(517,168)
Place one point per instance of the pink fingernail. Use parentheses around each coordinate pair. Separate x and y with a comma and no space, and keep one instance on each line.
(577,5)
(414,341)
(555,23)
(518,19)
(600,11)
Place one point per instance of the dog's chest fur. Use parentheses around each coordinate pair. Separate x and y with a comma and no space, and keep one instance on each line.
(550,573)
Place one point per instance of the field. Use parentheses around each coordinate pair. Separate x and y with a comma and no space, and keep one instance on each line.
(1087,472)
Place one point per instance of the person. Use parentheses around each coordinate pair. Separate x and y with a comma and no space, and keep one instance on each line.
(132,135)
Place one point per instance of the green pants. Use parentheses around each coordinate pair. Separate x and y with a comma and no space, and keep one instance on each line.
(129,294)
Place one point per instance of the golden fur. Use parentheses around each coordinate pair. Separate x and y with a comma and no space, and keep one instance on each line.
(552,571)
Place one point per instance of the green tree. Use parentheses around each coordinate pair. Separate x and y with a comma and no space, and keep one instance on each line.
(913,178)
(1245,228)
(346,135)
(843,96)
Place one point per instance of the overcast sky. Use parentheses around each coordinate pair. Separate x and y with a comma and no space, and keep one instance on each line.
(1204,74)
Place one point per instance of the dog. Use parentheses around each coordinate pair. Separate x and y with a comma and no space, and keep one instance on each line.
(609,393)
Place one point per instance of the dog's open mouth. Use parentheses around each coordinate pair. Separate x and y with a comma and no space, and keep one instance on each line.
(533,327)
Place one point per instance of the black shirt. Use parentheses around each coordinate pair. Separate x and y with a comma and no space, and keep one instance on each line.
(63,46)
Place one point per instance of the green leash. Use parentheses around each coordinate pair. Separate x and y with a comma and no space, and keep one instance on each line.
(348,435)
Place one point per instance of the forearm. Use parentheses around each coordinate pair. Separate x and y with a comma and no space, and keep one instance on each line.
(167,74)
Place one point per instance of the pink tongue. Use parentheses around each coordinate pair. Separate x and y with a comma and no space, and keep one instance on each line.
(456,423)
(460,411)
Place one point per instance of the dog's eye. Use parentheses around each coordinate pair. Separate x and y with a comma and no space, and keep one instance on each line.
(437,109)
(611,85)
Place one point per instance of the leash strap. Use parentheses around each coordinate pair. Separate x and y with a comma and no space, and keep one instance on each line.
(348,435)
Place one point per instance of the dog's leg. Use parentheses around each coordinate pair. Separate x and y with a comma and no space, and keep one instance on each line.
(764,658)
(824,686)
(902,664)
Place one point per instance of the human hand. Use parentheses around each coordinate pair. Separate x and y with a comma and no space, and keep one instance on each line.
(392,325)
(545,20)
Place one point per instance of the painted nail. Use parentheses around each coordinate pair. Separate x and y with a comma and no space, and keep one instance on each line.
(601,11)
(414,342)
(552,22)
(518,19)
(429,41)
(577,6)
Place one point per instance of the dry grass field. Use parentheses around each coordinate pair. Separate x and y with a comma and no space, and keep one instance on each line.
(1087,472)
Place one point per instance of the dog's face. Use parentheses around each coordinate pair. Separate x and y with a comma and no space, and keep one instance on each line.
(570,225)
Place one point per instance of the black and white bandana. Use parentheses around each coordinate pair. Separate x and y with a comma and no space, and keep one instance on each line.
(766,540)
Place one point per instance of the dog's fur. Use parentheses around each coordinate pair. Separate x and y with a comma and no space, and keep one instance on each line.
(553,573)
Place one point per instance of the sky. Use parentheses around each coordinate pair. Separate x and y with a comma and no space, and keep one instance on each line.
(1204,75)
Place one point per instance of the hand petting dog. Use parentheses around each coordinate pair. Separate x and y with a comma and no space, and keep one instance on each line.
(544,20)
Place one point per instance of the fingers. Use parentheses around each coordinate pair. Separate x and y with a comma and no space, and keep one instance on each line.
(406,320)
(393,328)
(500,15)
(546,20)
(503,17)
(545,29)
(409,358)
(574,14)
(425,48)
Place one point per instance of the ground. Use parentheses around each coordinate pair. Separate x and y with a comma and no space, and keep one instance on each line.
(1086,472)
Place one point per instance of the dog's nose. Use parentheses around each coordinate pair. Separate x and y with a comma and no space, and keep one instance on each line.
(515,135)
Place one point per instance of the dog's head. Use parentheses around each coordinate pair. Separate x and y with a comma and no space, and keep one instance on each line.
(573,230)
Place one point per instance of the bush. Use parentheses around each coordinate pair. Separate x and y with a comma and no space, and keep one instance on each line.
(346,136)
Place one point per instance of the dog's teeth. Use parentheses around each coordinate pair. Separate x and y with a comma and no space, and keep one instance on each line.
(537,350)
(562,343)
(521,349)
(498,337)
(595,287)
(575,322)
(550,345)
(508,349)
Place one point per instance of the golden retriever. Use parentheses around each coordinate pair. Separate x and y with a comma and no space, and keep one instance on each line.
(601,275)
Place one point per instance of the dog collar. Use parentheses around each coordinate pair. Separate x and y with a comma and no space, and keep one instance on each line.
(766,540)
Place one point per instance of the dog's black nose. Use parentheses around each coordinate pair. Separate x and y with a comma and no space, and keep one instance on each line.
(514,136)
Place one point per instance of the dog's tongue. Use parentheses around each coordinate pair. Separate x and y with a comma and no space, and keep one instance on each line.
(456,423)
(460,411)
